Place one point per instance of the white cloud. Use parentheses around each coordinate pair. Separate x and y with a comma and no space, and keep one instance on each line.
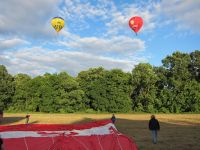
(36,61)
(114,17)
(11,43)
(120,18)
(77,12)
(120,46)
(29,18)
(184,14)
(81,9)
(81,51)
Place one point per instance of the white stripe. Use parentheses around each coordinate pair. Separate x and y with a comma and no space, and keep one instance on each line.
(102,130)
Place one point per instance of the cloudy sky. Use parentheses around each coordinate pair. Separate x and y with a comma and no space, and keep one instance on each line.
(96,33)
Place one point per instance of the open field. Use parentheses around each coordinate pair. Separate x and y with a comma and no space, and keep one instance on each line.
(178,131)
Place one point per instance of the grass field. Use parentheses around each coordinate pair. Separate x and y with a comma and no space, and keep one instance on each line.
(178,131)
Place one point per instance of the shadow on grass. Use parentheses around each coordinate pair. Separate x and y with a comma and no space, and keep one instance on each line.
(10,120)
(83,121)
(33,122)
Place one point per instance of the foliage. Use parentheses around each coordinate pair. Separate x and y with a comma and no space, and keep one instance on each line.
(173,87)
(6,88)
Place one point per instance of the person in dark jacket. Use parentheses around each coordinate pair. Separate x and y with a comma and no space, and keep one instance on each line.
(113,118)
(154,126)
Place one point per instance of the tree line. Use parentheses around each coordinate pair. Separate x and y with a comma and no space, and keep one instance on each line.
(173,87)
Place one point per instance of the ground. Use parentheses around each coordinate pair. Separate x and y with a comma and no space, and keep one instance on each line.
(178,131)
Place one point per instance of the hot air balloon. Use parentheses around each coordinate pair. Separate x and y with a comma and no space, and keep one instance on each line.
(57,23)
(135,23)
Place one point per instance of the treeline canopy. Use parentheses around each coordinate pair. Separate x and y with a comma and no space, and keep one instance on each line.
(173,87)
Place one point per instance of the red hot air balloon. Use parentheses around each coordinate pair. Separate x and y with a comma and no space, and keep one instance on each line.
(135,23)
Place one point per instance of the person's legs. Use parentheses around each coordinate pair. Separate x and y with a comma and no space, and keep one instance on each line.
(154,136)
(27,119)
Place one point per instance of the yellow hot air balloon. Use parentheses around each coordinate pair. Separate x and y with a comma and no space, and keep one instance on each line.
(58,23)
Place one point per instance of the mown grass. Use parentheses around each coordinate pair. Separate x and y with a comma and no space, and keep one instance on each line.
(178,131)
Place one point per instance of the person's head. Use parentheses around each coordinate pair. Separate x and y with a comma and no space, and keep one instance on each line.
(153,117)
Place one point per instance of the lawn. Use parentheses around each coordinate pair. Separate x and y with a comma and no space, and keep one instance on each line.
(178,131)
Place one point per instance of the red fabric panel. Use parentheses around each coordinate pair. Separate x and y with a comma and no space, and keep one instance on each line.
(105,142)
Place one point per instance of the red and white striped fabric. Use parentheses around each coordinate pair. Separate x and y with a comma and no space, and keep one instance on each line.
(99,135)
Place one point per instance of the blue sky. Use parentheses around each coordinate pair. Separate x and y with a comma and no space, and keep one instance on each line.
(96,33)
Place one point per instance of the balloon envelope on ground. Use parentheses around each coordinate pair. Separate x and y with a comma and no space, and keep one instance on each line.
(97,135)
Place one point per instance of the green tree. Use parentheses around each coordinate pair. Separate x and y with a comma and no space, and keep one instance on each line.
(34,92)
(60,93)
(179,77)
(194,66)
(87,79)
(144,88)
(70,96)
(6,88)
(20,97)
(118,91)
(106,90)
(163,92)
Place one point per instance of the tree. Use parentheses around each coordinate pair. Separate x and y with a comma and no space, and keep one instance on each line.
(86,80)
(20,97)
(118,89)
(6,88)
(106,90)
(179,76)
(162,90)
(70,96)
(144,90)
(60,93)
(194,66)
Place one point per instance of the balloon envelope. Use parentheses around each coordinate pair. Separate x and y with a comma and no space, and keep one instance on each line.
(57,23)
(135,23)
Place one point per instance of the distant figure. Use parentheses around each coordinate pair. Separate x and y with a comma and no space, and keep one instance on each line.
(154,127)
(1,144)
(113,118)
(27,118)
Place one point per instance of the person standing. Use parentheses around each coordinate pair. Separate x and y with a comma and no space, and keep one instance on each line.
(113,118)
(27,118)
(154,126)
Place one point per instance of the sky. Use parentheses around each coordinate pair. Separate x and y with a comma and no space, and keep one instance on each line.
(96,33)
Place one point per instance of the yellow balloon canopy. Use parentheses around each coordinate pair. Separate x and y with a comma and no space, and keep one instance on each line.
(57,23)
